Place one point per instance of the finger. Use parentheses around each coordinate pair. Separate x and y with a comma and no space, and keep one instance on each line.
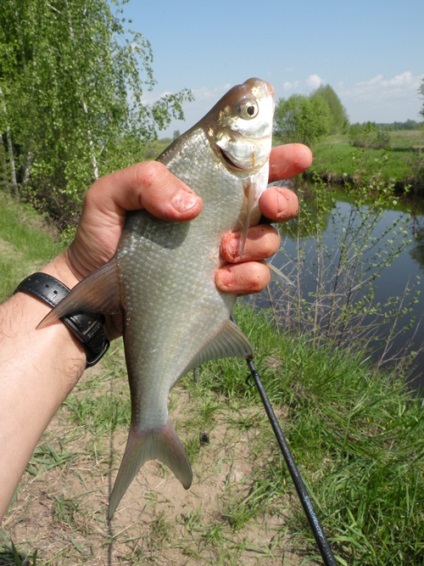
(262,241)
(148,185)
(279,204)
(288,160)
(242,279)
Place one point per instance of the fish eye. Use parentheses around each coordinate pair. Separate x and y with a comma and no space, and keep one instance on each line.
(248,109)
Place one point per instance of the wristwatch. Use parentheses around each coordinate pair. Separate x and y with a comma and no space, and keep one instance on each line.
(88,328)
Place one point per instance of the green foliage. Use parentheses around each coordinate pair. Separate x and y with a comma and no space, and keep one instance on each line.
(369,134)
(407,125)
(339,118)
(421,92)
(332,299)
(72,77)
(302,119)
(307,119)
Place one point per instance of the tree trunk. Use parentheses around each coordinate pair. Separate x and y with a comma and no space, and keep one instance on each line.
(9,149)
(94,163)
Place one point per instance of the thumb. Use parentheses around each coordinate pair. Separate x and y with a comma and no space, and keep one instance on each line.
(148,185)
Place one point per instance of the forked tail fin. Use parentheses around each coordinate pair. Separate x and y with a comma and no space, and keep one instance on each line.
(162,444)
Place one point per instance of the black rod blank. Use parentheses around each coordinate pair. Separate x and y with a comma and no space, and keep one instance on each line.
(321,539)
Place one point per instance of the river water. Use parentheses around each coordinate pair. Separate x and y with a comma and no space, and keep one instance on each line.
(383,256)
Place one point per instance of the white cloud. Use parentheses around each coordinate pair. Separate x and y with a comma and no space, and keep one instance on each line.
(405,79)
(314,81)
(384,99)
(381,88)
(290,85)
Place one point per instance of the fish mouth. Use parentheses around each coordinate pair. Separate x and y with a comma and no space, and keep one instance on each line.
(228,161)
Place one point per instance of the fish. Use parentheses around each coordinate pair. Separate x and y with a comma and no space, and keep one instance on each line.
(162,276)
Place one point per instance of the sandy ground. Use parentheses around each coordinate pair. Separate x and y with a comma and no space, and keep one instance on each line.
(60,508)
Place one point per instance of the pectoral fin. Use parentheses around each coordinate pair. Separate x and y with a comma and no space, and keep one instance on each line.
(97,293)
(277,274)
(251,202)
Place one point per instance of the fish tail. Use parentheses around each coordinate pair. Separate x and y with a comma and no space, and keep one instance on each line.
(142,446)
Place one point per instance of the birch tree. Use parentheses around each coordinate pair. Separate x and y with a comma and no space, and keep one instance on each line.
(72,78)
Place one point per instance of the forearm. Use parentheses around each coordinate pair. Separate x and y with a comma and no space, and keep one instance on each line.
(38,368)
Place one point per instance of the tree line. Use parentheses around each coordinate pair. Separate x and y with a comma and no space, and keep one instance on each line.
(72,79)
(308,119)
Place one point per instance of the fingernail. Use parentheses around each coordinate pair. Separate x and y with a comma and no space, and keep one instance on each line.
(184,200)
(231,244)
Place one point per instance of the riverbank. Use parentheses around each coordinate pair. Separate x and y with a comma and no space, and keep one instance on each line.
(357,435)
(401,163)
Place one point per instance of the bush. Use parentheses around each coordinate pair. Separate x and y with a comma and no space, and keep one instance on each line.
(369,135)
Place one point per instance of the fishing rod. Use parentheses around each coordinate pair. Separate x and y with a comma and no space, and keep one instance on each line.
(316,527)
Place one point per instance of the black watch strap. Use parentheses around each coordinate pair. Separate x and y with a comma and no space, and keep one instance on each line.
(86,327)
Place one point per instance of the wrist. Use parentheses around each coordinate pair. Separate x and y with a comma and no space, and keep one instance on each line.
(61,268)
(86,327)
(51,351)
(60,340)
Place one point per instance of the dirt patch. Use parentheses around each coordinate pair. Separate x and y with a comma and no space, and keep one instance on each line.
(60,508)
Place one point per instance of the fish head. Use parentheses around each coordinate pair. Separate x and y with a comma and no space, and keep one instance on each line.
(239,129)
(239,126)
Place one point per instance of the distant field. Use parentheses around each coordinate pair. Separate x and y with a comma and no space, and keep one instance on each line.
(407,139)
(336,159)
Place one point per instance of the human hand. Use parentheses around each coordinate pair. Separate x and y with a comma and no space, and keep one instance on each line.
(151,186)
(246,274)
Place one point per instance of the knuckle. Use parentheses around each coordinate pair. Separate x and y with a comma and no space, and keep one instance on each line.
(147,173)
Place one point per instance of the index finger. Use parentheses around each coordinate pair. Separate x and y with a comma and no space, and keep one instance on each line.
(288,160)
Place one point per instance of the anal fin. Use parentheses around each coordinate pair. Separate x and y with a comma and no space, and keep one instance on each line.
(229,343)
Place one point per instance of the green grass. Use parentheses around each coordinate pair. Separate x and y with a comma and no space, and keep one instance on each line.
(26,243)
(356,434)
(335,159)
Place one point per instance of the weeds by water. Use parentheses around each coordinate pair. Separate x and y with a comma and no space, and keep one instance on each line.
(334,254)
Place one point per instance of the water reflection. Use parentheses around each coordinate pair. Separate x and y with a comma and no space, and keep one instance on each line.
(417,249)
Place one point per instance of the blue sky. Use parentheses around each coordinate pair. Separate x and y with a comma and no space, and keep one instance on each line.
(370,51)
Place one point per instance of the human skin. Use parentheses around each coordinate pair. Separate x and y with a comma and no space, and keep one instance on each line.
(39,368)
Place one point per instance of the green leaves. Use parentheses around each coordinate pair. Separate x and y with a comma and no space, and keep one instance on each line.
(72,79)
(306,119)
(302,119)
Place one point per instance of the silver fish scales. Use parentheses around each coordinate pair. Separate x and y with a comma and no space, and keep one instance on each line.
(162,275)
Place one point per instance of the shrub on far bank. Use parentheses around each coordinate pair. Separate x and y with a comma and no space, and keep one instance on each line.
(369,135)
